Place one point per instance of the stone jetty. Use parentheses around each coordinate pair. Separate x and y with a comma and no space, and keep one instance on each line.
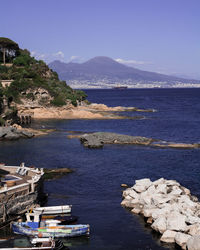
(169,208)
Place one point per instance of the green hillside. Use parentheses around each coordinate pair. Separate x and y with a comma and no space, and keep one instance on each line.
(28,73)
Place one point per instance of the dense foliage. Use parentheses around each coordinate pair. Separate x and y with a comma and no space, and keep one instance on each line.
(8,50)
(29,73)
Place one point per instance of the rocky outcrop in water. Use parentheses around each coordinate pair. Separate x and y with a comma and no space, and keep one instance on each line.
(11,133)
(56,173)
(98,139)
(169,208)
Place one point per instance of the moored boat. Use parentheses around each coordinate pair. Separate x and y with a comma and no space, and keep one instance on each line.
(50,230)
(54,243)
(54,209)
(64,219)
(41,243)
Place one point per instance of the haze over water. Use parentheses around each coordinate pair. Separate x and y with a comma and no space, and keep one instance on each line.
(94,187)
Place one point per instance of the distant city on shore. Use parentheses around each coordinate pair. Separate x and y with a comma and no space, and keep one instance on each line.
(103,72)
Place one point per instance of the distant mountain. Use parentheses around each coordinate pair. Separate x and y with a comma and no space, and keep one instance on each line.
(104,72)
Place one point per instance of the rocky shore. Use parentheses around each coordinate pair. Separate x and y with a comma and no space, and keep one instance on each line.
(92,111)
(11,133)
(17,132)
(169,208)
(98,139)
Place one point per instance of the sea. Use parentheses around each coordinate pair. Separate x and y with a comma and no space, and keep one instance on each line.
(94,188)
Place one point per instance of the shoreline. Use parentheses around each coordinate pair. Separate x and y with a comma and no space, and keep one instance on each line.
(92,111)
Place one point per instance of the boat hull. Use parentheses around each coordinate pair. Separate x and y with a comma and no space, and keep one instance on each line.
(57,231)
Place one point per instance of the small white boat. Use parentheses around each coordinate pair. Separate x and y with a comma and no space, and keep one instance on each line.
(41,243)
(54,209)
(35,241)
(47,244)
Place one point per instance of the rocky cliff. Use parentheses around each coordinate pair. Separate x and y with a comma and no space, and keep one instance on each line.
(28,82)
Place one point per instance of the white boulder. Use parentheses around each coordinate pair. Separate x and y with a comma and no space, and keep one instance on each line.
(160,224)
(172,183)
(136,210)
(192,219)
(142,185)
(160,199)
(176,191)
(176,222)
(146,199)
(160,212)
(148,212)
(168,236)
(181,239)
(193,243)
(194,229)
(161,189)
(159,181)
(125,203)
(133,194)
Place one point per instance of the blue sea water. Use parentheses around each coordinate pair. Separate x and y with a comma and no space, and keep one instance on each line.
(94,188)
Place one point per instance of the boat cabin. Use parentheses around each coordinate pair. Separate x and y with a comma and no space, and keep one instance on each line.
(34,220)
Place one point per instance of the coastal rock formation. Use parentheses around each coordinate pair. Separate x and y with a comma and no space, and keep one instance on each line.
(98,139)
(170,209)
(84,111)
(103,107)
(56,173)
(11,133)
(36,97)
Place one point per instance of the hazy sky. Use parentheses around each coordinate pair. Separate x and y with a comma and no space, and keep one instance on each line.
(155,35)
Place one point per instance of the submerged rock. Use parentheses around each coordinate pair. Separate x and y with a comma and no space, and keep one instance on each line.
(56,173)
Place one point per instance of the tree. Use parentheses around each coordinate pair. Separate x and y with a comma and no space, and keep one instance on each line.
(8,48)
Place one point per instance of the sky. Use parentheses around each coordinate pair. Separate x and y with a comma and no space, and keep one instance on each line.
(154,35)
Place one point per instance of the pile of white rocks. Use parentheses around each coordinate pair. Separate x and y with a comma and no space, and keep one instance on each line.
(169,208)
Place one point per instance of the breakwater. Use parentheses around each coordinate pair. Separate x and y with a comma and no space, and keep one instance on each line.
(169,208)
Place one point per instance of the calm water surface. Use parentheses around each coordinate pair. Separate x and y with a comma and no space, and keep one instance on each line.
(94,188)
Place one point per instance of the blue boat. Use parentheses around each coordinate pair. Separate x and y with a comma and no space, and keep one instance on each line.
(48,228)
(25,228)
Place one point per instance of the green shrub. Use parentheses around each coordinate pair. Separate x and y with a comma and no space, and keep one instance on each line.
(22,60)
(2,121)
(87,102)
(58,101)
(3,69)
(30,96)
